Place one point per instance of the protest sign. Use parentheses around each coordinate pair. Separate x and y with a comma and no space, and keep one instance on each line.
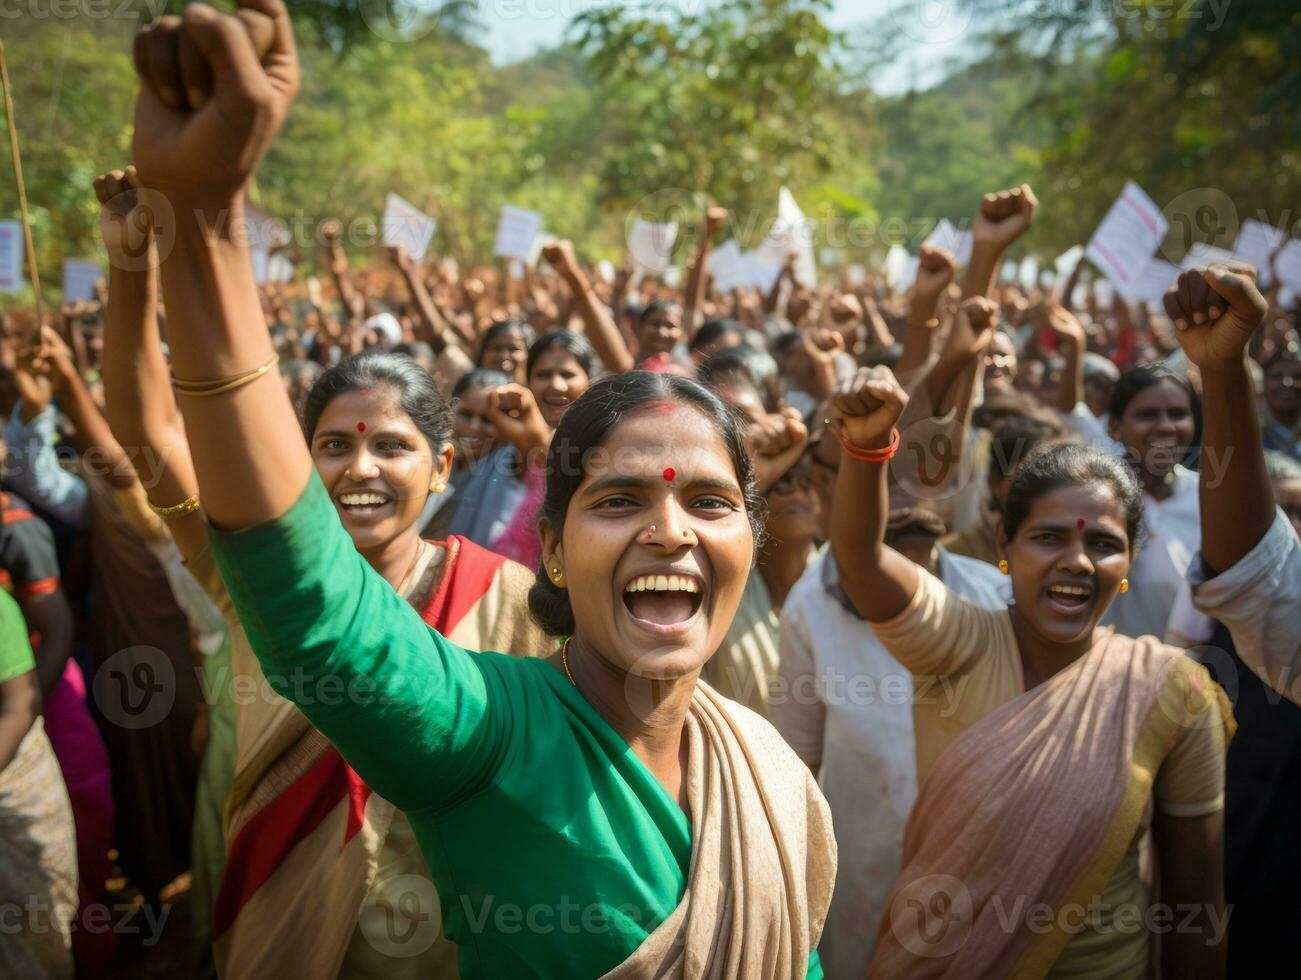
(791,232)
(947,236)
(79,278)
(1202,254)
(405,224)
(651,245)
(1288,265)
(11,256)
(516,231)
(1151,284)
(728,268)
(1127,237)
(1257,242)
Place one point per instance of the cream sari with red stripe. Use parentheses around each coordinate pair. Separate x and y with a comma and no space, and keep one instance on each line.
(305,834)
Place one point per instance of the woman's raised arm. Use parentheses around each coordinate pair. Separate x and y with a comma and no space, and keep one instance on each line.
(877,579)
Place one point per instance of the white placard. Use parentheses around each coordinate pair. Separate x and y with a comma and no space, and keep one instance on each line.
(1151,284)
(261,260)
(1288,264)
(11,256)
(1104,293)
(1202,254)
(1257,242)
(895,265)
(1028,273)
(1066,262)
(856,274)
(1127,238)
(79,278)
(605,271)
(947,236)
(673,276)
(279,268)
(1009,271)
(405,224)
(517,231)
(791,232)
(760,270)
(728,267)
(651,246)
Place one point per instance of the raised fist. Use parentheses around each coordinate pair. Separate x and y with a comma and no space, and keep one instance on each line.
(776,444)
(560,256)
(1064,324)
(215,89)
(845,308)
(126,227)
(715,218)
(1004,217)
(1215,310)
(515,415)
(868,407)
(400,259)
(935,270)
(823,345)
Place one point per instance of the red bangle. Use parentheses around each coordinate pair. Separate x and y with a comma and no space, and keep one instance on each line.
(869,455)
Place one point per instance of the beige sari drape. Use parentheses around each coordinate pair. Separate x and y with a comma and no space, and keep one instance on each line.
(1035,805)
(763,858)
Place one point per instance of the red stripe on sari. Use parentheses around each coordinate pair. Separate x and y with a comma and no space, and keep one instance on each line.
(266,840)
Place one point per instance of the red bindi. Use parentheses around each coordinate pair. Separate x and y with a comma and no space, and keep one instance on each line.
(669,474)
(1080,524)
(361,426)
(363,391)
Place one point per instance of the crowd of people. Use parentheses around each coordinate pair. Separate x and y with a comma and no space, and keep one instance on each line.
(435,621)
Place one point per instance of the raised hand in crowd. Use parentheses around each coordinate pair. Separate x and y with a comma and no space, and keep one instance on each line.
(1072,342)
(775,444)
(248,448)
(515,415)
(936,268)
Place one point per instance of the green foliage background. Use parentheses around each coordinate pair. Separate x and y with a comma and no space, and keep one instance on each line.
(723,100)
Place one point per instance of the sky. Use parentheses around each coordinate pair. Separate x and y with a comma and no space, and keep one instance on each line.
(930,32)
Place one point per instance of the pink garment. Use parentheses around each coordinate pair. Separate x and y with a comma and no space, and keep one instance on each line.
(519,541)
(84,761)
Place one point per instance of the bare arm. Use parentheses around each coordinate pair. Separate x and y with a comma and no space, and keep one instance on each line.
(935,270)
(250,458)
(1072,341)
(714,220)
(434,329)
(877,579)
(50,616)
(141,409)
(602,331)
(1216,310)
(1191,861)
(20,704)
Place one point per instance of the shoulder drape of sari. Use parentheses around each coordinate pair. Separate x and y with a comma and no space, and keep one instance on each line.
(38,863)
(763,857)
(306,834)
(1035,805)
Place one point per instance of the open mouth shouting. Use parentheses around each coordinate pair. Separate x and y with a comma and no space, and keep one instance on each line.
(666,603)
(1070,599)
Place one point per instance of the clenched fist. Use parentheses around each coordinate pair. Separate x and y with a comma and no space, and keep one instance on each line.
(1216,309)
(214,91)
(867,408)
(1004,217)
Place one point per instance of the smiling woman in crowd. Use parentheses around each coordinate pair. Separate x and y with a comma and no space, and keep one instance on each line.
(1069,741)
(648,534)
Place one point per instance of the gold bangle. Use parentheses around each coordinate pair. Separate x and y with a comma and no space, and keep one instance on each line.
(216,386)
(183,509)
(930,324)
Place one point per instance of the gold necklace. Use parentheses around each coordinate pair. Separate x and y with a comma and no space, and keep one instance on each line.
(564,660)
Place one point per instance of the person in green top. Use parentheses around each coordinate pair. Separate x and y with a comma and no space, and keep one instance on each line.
(596,813)
(38,845)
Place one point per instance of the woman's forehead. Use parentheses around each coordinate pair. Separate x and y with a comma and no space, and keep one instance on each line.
(666,440)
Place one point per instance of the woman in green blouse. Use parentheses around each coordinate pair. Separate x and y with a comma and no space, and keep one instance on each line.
(595,813)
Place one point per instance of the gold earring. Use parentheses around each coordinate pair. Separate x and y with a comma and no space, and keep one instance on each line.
(557,575)
(1002,566)
(1124,585)
(438,487)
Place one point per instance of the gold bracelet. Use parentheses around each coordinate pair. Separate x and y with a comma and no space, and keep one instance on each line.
(216,386)
(930,324)
(184,508)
